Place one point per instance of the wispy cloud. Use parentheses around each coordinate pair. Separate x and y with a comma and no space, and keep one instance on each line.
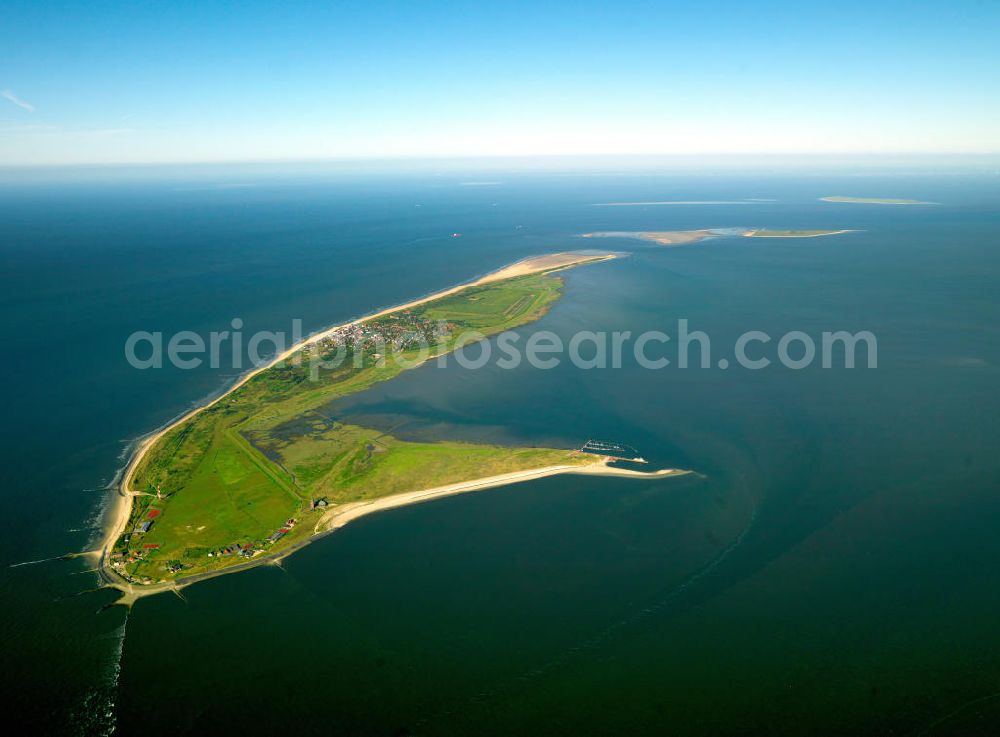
(26,127)
(17,101)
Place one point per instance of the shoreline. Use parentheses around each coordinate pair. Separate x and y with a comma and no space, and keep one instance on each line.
(336,518)
(120,511)
(339,517)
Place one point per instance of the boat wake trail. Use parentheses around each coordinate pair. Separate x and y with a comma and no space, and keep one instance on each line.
(645,613)
(610,631)
(36,562)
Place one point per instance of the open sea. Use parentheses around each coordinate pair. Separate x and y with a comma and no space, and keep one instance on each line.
(836,570)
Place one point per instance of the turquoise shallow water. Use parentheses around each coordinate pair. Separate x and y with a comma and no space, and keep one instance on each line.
(834,572)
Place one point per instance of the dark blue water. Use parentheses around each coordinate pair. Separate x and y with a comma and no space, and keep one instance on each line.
(834,571)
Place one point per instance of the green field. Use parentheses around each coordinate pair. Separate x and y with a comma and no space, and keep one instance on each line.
(233,475)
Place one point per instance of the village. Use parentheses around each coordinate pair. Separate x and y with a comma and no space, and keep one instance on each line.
(135,550)
(397,332)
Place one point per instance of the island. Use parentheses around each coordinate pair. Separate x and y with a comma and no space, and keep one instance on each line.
(748,201)
(685,237)
(793,233)
(875,201)
(267,467)
(663,237)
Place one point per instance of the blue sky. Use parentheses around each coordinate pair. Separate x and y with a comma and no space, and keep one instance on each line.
(217,81)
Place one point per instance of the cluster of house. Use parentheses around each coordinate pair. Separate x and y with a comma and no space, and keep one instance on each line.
(244,549)
(132,554)
(398,331)
(249,550)
(119,559)
(281,531)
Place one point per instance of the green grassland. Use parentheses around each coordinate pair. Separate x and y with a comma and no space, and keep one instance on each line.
(234,474)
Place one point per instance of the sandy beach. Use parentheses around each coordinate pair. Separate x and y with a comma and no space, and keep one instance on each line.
(121,508)
(344,513)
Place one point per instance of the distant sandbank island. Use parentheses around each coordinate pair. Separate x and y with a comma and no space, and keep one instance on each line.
(263,469)
(683,237)
(663,203)
(793,233)
(875,201)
